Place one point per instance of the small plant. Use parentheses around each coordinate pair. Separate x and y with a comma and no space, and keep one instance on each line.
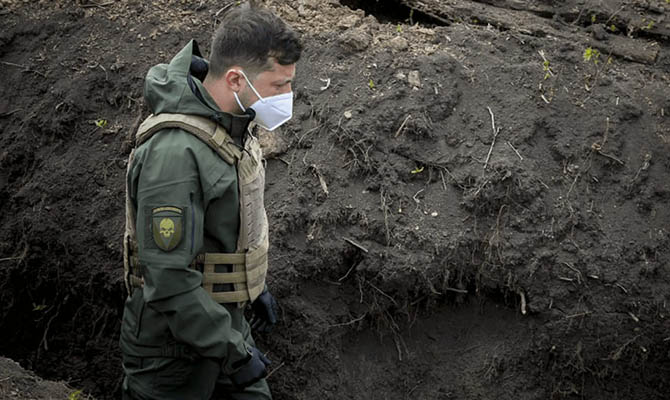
(548,73)
(417,170)
(76,395)
(399,28)
(591,54)
(546,69)
(39,307)
(613,28)
(371,84)
(593,19)
(101,123)
(647,25)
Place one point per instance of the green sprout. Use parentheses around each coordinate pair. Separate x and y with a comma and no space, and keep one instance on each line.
(613,28)
(547,71)
(417,170)
(399,28)
(39,307)
(101,123)
(371,84)
(76,395)
(591,54)
(649,25)
(593,19)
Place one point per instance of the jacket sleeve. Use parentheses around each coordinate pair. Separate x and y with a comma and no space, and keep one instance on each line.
(167,188)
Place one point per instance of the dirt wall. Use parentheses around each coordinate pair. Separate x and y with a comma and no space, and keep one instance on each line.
(468,207)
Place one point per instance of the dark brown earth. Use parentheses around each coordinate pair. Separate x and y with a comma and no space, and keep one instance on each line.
(415,253)
(17,383)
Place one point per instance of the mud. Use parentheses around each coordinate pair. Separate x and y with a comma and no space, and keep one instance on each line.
(468,206)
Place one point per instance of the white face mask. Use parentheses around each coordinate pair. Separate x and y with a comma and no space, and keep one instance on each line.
(271,112)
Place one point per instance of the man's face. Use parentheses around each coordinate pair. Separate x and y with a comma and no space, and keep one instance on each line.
(272,82)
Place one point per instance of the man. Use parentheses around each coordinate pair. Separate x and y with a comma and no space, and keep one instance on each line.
(195,249)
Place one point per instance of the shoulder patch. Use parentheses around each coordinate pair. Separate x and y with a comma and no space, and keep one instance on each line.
(167,226)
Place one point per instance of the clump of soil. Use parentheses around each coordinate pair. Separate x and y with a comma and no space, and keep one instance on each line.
(472,203)
(17,383)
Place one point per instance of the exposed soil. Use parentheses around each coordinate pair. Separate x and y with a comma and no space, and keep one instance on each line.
(17,383)
(454,217)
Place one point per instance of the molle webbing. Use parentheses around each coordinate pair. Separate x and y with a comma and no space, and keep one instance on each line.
(204,129)
(248,274)
(251,278)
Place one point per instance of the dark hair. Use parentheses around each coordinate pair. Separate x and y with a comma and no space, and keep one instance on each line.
(249,36)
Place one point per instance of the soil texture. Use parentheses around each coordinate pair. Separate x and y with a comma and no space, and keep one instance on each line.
(471,200)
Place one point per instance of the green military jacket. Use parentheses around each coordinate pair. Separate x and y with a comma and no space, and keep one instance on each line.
(175,174)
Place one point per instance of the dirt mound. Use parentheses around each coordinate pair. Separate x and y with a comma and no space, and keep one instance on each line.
(472,203)
(19,384)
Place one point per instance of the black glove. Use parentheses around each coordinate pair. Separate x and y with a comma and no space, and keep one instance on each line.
(252,371)
(265,312)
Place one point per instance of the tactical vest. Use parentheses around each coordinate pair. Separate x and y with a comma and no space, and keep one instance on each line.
(250,261)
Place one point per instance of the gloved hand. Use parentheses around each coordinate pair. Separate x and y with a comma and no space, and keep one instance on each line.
(265,312)
(252,371)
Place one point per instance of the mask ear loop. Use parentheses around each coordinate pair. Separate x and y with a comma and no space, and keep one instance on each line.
(251,86)
(239,103)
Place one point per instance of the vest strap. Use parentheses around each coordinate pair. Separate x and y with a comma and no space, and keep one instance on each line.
(221,258)
(239,296)
(223,277)
(204,129)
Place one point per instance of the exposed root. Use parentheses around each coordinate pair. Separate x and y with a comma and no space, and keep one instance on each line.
(523,302)
(349,323)
(493,141)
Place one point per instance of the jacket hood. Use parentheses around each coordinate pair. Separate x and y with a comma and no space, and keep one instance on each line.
(177,88)
(166,88)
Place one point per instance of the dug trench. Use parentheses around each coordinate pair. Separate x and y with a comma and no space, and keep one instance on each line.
(459,209)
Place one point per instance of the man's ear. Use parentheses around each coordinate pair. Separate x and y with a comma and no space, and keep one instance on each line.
(234,80)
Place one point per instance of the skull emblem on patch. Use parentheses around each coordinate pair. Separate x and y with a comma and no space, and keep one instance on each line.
(167,227)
